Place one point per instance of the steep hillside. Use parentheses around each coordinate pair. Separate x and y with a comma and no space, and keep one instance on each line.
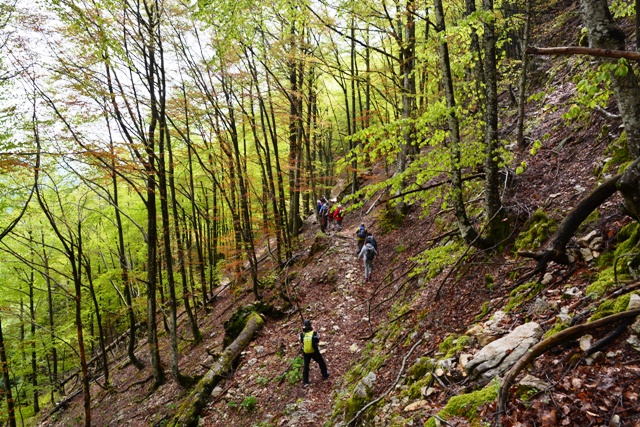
(397,347)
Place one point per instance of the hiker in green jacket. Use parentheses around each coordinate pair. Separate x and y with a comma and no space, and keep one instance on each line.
(310,339)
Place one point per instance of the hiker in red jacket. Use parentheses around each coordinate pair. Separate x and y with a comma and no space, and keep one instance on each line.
(337,215)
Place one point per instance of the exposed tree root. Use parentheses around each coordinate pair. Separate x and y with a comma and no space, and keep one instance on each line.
(556,251)
(549,343)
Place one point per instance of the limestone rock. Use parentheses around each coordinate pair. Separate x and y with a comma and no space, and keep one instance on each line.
(634,302)
(420,404)
(364,387)
(500,355)
(585,342)
(533,382)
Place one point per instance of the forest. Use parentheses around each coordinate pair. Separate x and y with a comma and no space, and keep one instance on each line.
(159,158)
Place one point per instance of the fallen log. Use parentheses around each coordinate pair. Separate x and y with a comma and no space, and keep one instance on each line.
(188,413)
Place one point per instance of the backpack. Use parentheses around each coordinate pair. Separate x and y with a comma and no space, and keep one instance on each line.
(373,242)
(307,341)
(362,233)
(370,252)
(338,213)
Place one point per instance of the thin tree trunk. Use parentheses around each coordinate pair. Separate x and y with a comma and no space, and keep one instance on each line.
(522,84)
(4,366)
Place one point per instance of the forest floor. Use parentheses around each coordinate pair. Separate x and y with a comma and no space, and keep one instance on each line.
(328,287)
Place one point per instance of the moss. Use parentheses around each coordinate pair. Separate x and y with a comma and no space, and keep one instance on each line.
(559,326)
(627,255)
(452,345)
(590,220)
(414,391)
(619,154)
(537,229)
(353,405)
(420,369)
(466,405)
(484,310)
(602,284)
(489,282)
(610,307)
(236,323)
(522,293)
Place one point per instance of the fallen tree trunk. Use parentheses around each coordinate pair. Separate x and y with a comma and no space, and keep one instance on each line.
(189,411)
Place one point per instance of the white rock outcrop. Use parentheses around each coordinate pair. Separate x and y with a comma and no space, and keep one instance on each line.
(498,356)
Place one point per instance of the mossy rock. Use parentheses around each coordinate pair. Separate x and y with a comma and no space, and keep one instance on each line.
(414,391)
(627,252)
(466,405)
(389,219)
(536,230)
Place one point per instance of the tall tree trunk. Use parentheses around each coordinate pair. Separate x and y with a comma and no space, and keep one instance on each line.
(493,204)
(124,267)
(604,33)
(52,335)
(467,231)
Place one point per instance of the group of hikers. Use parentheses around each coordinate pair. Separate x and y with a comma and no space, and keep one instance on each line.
(367,250)
(329,215)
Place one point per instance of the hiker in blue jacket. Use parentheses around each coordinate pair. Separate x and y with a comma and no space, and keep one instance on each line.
(310,339)
(361,235)
(368,253)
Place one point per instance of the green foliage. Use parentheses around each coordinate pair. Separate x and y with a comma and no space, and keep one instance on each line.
(249,403)
(536,230)
(433,261)
(466,405)
(622,9)
(294,374)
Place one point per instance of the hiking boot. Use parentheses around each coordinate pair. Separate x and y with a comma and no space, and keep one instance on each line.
(324,377)
(305,384)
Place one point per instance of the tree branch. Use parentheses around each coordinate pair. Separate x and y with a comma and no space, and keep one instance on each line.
(579,50)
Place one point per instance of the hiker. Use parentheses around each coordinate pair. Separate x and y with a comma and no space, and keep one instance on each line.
(323,213)
(310,339)
(337,216)
(372,240)
(368,253)
(361,235)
